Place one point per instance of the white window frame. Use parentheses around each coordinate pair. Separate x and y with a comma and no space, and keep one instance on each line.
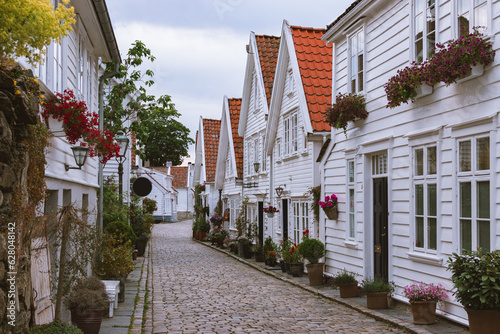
(472,10)
(263,164)
(356,48)
(425,179)
(256,155)
(300,219)
(426,11)
(290,134)
(291,83)
(351,198)
(475,176)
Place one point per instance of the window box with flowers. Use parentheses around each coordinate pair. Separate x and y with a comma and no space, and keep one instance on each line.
(329,206)
(81,124)
(270,210)
(453,61)
(347,108)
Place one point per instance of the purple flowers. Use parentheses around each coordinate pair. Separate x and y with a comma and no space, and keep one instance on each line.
(270,209)
(421,291)
(330,201)
(347,107)
(451,62)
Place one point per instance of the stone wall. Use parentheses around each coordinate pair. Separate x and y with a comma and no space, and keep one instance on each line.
(17,111)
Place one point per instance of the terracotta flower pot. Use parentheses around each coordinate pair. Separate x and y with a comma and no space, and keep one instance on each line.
(88,321)
(483,321)
(424,313)
(297,269)
(376,300)
(348,290)
(315,273)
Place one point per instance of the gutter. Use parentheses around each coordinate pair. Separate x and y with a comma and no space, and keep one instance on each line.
(109,35)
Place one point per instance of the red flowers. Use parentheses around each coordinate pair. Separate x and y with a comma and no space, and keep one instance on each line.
(80,123)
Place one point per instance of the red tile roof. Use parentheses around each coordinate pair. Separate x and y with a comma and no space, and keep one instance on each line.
(180,176)
(315,64)
(234,113)
(268,47)
(211,131)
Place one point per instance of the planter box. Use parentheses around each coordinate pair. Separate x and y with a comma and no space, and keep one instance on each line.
(376,300)
(348,290)
(423,90)
(475,71)
(483,321)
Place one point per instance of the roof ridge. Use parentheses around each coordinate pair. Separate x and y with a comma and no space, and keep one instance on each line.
(307,28)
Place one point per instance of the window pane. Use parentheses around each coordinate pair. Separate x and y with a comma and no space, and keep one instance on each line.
(419,161)
(465,199)
(419,231)
(465,234)
(419,6)
(431,200)
(483,233)
(351,225)
(481,17)
(351,171)
(483,153)
(431,160)
(431,44)
(463,24)
(351,200)
(432,233)
(353,84)
(464,156)
(483,199)
(419,199)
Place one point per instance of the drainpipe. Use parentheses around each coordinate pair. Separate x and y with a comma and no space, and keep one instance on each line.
(109,35)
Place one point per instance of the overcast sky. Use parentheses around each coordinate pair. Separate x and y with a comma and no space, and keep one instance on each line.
(199,45)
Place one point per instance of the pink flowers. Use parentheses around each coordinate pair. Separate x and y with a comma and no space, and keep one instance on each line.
(421,291)
(270,209)
(347,107)
(330,201)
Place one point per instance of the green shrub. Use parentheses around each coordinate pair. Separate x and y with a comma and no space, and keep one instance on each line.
(121,231)
(88,294)
(344,277)
(56,327)
(374,285)
(269,245)
(148,205)
(312,249)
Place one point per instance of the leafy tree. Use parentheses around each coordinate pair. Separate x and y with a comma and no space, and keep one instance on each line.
(27,26)
(160,137)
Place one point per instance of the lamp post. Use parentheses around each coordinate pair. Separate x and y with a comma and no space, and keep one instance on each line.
(122,141)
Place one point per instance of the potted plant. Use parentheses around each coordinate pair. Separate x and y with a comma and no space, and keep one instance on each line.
(55,327)
(284,251)
(259,253)
(87,301)
(376,291)
(269,245)
(270,210)
(476,278)
(423,298)
(296,261)
(347,284)
(313,250)
(226,215)
(347,108)
(329,205)
(271,258)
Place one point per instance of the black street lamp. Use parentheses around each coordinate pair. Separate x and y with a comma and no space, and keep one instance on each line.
(80,154)
(122,141)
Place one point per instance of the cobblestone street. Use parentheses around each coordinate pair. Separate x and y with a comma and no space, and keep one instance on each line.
(195,289)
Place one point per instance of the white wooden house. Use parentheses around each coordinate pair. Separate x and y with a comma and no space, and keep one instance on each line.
(162,191)
(257,87)
(182,182)
(72,64)
(296,128)
(417,182)
(229,172)
(207,145)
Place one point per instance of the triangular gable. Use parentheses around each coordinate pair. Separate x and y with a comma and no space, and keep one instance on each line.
(230,142)
(262,58)
(211,130)
(311,62)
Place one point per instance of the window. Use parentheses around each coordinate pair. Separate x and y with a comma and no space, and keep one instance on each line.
(379,164)
(263,164)
(229,170)
(256,92)
(256,154)
(81,68)
(291,83)
(425,197)
(424,29)
(290,134)
(57,67)
(300,219)
(352,200)
(471,13)
(474,193)
(356,51)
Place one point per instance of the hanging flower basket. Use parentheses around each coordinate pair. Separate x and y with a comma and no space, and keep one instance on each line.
(330,206)
(331,212)
(270,210)
(347,108)
(270,214)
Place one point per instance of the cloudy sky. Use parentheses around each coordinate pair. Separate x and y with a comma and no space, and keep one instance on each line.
(199,45)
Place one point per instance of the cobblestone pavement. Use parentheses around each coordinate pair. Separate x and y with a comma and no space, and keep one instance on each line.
(195,289)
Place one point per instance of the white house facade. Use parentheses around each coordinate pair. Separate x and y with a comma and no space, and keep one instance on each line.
(417,182)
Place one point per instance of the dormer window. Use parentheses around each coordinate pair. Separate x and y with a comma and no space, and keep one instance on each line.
(290,83)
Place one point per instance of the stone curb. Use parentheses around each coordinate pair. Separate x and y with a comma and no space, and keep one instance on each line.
(138,316)
(401,324)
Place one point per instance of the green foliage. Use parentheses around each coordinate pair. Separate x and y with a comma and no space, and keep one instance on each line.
(160,137)
(121,232)
(88,294)
(241,221)
(344,277)
(374,285)
(476,277)
(316,195)
(113,209)
(113,258)
(27,26)
(149,205)
(312,249)
(284,250)
(55,327)
(269,245)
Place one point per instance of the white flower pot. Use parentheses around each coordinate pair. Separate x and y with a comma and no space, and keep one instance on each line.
(424,90)
(55,127)
(475,71)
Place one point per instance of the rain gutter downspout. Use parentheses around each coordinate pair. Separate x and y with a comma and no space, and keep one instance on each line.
(109,35)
